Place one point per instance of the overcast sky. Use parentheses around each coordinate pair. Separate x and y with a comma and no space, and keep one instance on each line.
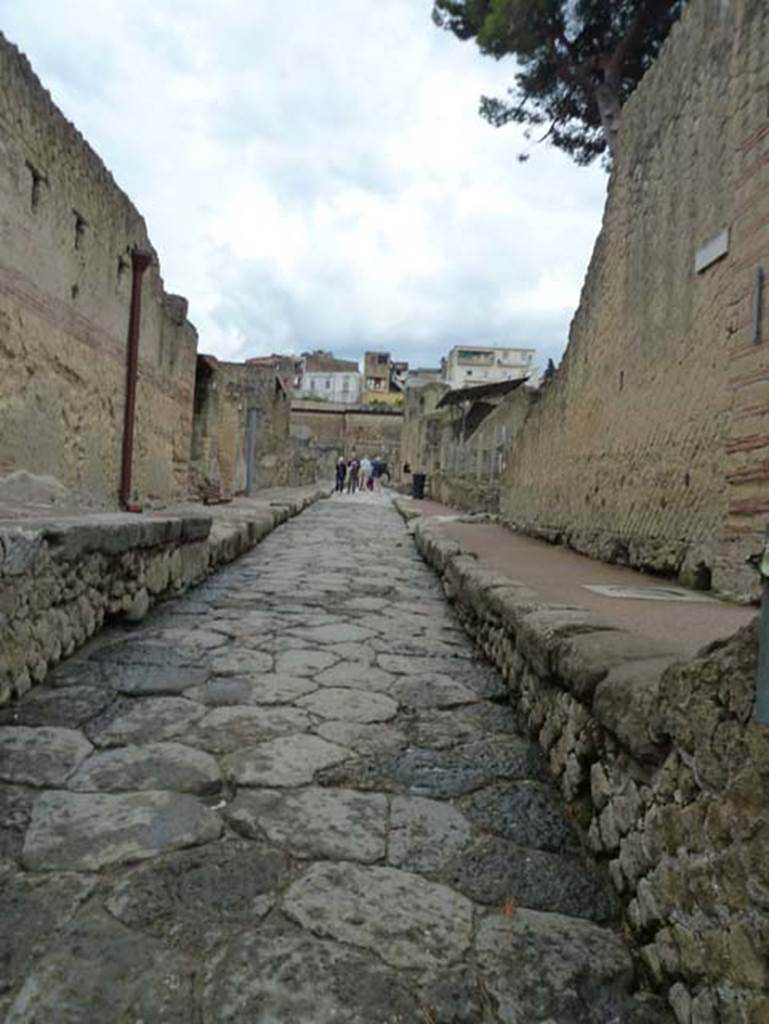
(314,173)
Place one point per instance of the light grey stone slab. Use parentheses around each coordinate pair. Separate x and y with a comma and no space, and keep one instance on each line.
(144,720)
(431,691)
(359,654)
(224,730)
(348,705)
(408,921)
(100,971)
(240,661)
(367,604)
(197,639)
(540,967)
(282,975)
(288,761)
(360,676)
(303,662)
(338,633)
(171,766)
(362,737)
(265,689)
(155,680)
(425,833)
(40,756)
(417,664)
(88,831)
(314,822)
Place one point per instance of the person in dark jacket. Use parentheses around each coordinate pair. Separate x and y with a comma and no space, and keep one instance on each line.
(341,473)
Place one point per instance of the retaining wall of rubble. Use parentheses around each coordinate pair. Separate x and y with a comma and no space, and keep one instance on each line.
(663,766)
(61,580)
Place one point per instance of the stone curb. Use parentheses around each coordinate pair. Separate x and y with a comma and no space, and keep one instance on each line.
(60,579)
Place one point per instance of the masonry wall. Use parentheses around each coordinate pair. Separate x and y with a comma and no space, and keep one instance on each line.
(226,394)
(651,444)
(330,431)
(66,235)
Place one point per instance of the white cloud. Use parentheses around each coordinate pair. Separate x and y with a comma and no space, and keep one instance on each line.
(315,173)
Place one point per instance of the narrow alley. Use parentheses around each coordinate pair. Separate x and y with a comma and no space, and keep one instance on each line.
(296,796)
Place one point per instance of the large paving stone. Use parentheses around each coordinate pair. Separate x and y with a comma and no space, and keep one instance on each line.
(406,920)
(441,729)
(425,834)
(348,705)
(192,897)
(156,680)
(133,650)
(317,823)
(100,971)
(281,975)
(303,662)
(357,654)
(62,708)
(224,730)
(494,871)
(287,761)
(240,661)
(171,766)
(40,756)
(547,967)
(431,691)
(337,633)
(526,813)
(143,720)
(15,812)
(269,688)
(87,831)
(363,738)
(357,675)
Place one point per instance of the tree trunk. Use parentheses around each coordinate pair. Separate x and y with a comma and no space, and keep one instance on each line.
(610,110)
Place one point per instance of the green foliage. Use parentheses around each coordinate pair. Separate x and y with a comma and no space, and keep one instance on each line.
(578,60)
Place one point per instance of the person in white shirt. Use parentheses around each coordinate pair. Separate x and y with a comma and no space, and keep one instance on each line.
(365,472)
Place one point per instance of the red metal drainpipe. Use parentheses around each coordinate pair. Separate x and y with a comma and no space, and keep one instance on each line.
(140,259)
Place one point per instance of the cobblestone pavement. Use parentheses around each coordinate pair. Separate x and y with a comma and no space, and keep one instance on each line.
(295,796)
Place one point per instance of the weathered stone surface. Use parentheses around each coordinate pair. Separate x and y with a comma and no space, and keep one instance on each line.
(350,705)
(440,729)
(152,766)
(425,834)
(338,633)
(526,813)
(226,729)
(61,708)
(282,974)
(269,688)
(88,831)
(494,871)
(357,675)
(15,812)
(363,738)
(149,680)
(240,662)
(406,920)
(318,823)
(143,720)
(288,761)
(40,756)
(303,662)
(547,967)
(431,691)
(101,971)
(193,896)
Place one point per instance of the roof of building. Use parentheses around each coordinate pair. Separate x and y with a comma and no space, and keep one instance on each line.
(471,394)
(323,362)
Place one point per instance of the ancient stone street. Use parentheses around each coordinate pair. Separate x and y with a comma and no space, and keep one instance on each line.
(296,796)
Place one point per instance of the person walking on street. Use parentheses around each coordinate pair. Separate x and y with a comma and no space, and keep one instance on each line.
(341,472)
(353,469)
(376,472)
(365,473)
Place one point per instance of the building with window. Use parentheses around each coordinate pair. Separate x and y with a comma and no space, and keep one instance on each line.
(321,376)
(383,379)
(467,365)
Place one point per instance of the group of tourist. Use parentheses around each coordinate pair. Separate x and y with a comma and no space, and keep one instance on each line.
(364,474)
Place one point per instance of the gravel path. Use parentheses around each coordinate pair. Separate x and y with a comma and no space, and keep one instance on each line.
(296,796)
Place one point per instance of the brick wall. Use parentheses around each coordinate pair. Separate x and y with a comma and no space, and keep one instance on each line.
(650,446)
(66,235)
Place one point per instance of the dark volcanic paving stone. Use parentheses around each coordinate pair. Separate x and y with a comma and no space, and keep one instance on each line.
(186,896)
(494,871)
(527,813)
(65,708)
(135,651)
(282,975)
(437,729)
(15,813)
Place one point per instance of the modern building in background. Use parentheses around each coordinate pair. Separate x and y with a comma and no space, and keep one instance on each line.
(320,375)
(474,364)
(383,379)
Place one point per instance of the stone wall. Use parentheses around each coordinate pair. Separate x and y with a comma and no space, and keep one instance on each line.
(227,396)
(66,236)
(650,444)
(662,765)
(61,580)
(331,429)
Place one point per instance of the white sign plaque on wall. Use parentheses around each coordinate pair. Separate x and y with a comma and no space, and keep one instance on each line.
(712,250)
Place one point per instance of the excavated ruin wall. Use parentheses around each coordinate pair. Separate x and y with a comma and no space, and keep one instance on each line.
(662,765)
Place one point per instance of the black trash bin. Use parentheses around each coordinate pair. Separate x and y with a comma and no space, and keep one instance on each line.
(418,485)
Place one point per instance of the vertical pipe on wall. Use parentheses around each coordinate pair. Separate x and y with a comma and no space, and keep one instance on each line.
(250,450)
(140,260)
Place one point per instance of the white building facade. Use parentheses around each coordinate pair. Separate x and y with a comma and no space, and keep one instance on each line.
(476,364)
(331,380)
